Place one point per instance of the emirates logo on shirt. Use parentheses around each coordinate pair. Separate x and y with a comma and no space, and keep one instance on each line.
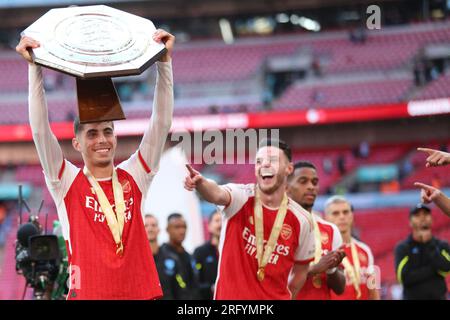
(250,246)
(97,213)
(286,232)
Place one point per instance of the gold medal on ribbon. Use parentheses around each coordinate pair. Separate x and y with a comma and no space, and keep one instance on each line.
(353,271)
(260,274)
(115,220)
(317,281)
(263,254)
(119,250)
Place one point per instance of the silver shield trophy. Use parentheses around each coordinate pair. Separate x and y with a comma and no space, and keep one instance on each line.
(95,43)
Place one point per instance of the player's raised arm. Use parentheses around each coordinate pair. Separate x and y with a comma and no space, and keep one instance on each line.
(431,194)
(155,136)
(208,188)
(436,157)
(48,149)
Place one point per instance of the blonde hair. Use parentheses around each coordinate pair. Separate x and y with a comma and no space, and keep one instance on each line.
(336,199)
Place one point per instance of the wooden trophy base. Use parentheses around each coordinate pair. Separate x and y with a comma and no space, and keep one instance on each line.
(98,101)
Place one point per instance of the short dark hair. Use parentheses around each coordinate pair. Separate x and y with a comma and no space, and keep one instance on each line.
(299,165)
(279,144)
(174,215)
(304,164)
(78,126)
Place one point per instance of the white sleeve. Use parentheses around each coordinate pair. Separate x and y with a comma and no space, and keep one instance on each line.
(58,189)
(337,238)
(155,136)
(306,243)
(47,146)
(141,173)
(239,195)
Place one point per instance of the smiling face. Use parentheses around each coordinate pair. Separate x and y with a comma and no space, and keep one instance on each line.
(272,168)
(97,143)
(303,187)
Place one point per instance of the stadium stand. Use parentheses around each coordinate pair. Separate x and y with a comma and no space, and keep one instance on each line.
(217,64)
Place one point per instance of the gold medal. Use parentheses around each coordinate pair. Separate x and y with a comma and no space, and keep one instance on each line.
(317,281)
(260,274)
(119,250)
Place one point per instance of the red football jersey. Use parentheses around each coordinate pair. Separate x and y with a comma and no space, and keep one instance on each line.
(238,264)
(331,240)
(367,272)
(97,272)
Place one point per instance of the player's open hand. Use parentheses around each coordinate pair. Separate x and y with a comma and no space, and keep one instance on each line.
(192,179)
(428,193)
(24,46)
(436,157)
(168,39)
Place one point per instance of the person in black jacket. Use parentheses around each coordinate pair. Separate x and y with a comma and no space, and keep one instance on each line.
(207,257)
(422,261)
(166,263)
(184,275)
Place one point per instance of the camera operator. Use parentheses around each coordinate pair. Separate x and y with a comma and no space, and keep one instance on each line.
(37,258)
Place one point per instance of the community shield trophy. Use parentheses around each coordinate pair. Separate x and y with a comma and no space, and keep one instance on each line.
(95,43)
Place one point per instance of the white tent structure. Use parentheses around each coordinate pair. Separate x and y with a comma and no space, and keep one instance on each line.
(167,195)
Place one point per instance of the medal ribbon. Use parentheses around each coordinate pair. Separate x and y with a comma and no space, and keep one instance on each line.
(115,220)
(262,254)
(317,279)
(354,271)
(317,240)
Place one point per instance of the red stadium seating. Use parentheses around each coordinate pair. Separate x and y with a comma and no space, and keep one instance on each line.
(344,94)
(382,229)
(436,89)
(212,61)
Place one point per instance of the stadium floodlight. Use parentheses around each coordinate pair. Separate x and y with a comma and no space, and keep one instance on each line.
(304,22)
(225,30)
(309,24)
(295,19)
(263,25)
(283,18)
